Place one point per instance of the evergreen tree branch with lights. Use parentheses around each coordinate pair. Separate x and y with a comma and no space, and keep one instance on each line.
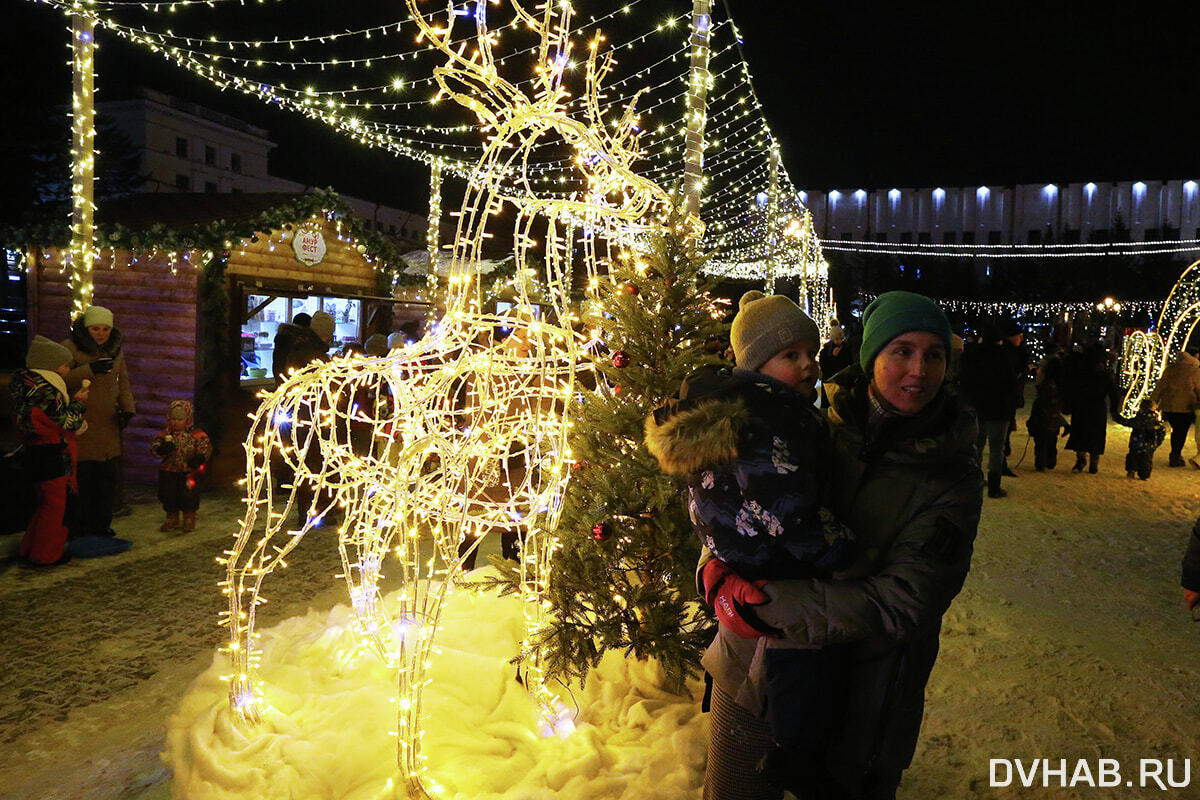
(623,576)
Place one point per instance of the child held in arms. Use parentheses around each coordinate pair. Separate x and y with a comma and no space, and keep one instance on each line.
(1146,434)
(755,451)
(48,419)
(184,450)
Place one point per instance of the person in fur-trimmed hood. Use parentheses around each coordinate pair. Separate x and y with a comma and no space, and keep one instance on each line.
(48,420)
(753,448)
(184,449)
(96,356)
(905,478)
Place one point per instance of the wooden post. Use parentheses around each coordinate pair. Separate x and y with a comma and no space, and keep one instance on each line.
(83,158)
(693,165)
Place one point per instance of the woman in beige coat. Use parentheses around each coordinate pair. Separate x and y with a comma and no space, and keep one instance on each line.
(1178,398)
(96,355)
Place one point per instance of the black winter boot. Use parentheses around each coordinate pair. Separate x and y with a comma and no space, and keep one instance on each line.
(1080,462)
(1094,465)
(994,489)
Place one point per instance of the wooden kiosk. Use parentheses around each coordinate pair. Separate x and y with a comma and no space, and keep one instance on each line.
(198,283)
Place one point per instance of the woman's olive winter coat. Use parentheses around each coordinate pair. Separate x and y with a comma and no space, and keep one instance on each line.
(911,492)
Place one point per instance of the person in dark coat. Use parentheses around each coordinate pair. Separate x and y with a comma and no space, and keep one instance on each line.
(310,344)
(1046,417)
(1013,345)
(1146,434)
(906,481)
(988,380)
(1090,388)
(836,354)
(754,450)
(286,335)
(1190,579)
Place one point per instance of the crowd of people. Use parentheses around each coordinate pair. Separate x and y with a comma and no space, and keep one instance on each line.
(833,544)
(1076,392)
(72,401)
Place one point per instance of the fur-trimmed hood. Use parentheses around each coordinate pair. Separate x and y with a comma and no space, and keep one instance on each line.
(84,341)
(716,410)
(687,437)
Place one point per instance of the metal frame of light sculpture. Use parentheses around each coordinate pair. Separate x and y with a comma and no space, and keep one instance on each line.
(457,435)
(1147,354)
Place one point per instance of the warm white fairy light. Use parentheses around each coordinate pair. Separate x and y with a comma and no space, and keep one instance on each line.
(735,141)
(434,222)
(1147,354)
(83,158)
(464,435)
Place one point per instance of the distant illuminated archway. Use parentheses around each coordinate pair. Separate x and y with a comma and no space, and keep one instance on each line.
(1148,354)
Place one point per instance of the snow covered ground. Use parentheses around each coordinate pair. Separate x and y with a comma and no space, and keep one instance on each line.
(1069,642)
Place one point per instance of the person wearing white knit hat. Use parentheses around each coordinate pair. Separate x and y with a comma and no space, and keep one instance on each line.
(97,355)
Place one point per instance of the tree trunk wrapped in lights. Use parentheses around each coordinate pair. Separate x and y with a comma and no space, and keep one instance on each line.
(467,430)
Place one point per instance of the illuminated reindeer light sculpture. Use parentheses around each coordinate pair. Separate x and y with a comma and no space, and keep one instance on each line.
(466,434)
(1148,354)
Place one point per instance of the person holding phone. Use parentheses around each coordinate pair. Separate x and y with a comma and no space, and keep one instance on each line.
(96,355)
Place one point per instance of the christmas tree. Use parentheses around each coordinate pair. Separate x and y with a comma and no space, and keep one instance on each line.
(623,576)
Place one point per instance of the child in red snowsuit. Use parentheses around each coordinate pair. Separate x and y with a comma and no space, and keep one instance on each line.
(47,422)
(184,450)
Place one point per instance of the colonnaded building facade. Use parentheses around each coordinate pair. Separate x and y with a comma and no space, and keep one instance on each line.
(1021,214)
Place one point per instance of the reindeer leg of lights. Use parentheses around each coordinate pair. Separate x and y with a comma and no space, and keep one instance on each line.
(1146,355)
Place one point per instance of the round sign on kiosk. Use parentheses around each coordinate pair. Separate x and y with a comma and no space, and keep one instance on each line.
(309,246)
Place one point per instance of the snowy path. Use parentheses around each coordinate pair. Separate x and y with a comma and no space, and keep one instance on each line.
(1068,642)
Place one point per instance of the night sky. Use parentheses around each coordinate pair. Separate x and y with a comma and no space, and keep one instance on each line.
(861,94)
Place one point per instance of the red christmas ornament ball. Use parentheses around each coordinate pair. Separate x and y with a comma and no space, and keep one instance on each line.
(620,359)
(600,531)
(617,390)
(632,288)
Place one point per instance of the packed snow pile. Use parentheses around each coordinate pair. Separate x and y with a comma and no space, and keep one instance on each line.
(329,731)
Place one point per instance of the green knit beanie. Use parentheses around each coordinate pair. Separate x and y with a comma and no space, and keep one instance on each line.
(894,313)
(764,325)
